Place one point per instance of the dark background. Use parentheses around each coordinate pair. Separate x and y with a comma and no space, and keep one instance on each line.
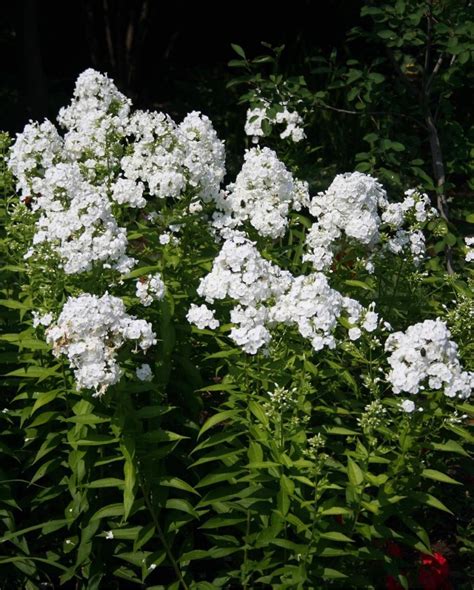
(169,56)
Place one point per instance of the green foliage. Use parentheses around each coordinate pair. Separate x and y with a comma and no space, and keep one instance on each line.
(288,470)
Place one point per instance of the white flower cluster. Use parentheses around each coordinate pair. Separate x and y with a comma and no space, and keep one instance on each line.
(42,320)
(202,317)
(150,288)
(263,194)
(108,157)
(267,296)
(470,248)
(77,221)
(355,207)
(349,207)
(425,355)
(314,307)
(405,219)
(240,273)
(292,121)
(171,158)
(36,149)
(89,331)
(96,117)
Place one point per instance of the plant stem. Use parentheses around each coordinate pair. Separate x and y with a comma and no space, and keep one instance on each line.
(161,535)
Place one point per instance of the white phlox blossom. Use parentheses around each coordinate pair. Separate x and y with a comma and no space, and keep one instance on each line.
(406,219)
(144,372)
(263,194)
(408,406)
(97,115)
(170,158)
(204,155)
(470,248)
(42,320)
(128,192)
(355,207)
(250,331)
(89,331)
(36,149)
(202,317)
(292,121)
(108,158)
(267,296)
(254,120)
(348,207)
(77,221)
(154,156)
(239,272)
(314,308)
(150,288)
(424,356)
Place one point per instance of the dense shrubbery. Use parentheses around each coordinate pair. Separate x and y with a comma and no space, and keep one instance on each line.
(256,386)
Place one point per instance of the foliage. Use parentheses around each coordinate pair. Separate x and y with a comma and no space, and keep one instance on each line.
(288,468)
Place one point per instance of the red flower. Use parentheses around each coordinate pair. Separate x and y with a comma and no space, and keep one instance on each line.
(392,584)
(393,549)
(433,573)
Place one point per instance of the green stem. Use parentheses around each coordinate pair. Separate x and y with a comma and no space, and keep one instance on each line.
(161,535)
(243,575)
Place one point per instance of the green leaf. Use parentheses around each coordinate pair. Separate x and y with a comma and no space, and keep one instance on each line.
(106,511)
(13,304)
(354,472)
(283,501)
(258,412)
(33,372)
(217,419)
(238,50)
(129,489)
(438,476)
(106,482)
(222,521)
(96,440)
(287,485)
(451,446)
(335,511)
(341,430)
(386,34)
(332,574)
(43,399)
(181,505)
(360,284)
(88,419)
(176,483)
(226,474)
(336,536)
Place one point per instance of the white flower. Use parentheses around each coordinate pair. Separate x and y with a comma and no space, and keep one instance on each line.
(202,317)
(354,333)
(349,206)
(42,320)
(126,191)
(150,288)
(425,354)
(291,119)
(263,194)
(109,535)
(470,248)
(408,406)
(144,372)
(89,331)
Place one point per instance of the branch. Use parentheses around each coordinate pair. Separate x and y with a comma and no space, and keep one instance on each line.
(381,113)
